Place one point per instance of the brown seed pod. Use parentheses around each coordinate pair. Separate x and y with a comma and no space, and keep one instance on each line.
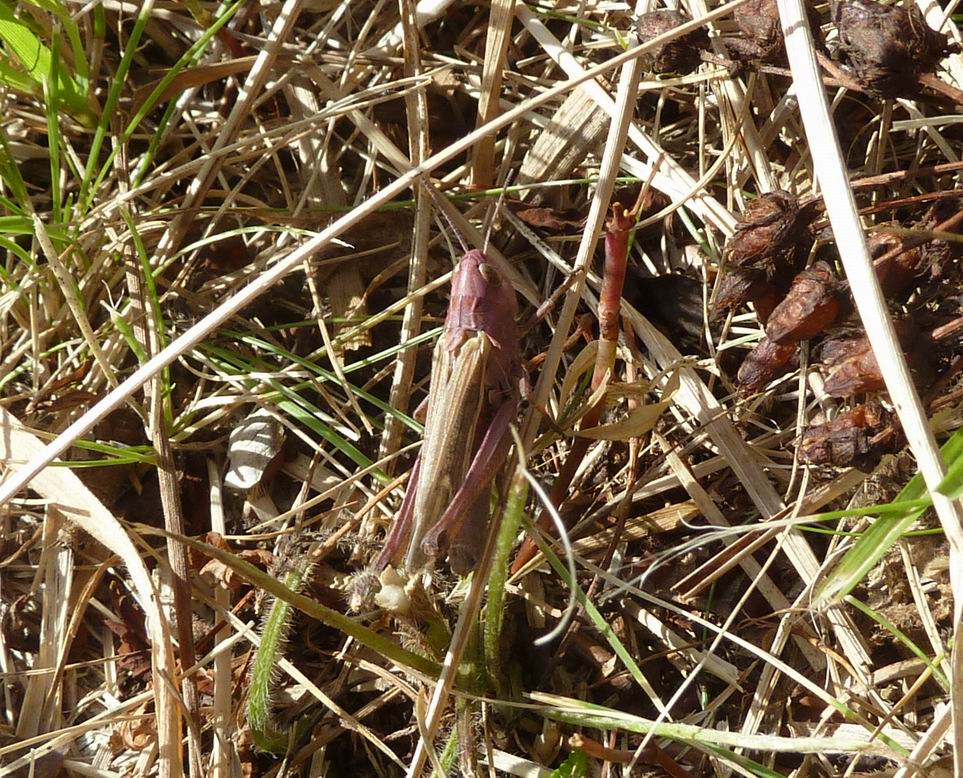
(851,365)
(855,438)
(766,362)
(769,228)
(682,55)
(764,253)
(811,306)
(887,47)
(741,285)
(761,30)
(896,274)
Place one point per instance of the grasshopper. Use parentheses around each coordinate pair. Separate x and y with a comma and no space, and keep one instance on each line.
(472,400)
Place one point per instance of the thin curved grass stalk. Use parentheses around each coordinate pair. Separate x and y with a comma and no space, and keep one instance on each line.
(495,609)
(263,673)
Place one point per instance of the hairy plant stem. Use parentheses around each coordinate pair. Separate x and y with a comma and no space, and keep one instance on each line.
(273,636)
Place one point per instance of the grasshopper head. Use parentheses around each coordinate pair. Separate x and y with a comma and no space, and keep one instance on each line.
(482,301)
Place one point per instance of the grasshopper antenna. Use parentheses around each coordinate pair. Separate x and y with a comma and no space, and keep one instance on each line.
(440,199)
(492,214)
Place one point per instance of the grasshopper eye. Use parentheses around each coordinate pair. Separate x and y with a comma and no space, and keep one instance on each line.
(489,274)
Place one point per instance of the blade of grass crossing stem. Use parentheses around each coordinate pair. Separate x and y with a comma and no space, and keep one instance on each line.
(881,536)
(328,616)
(150,287)
(901,637)
(604,628)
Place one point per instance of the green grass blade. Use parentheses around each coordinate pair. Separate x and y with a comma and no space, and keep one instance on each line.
(52,110)
(903,638)
(24,45)
(495,607)
(113,96)
(597,619)
(10,174)
(952,484)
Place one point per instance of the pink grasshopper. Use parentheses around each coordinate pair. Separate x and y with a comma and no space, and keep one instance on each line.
(472,400)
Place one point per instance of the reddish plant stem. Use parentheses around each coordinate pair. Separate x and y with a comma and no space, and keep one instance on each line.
(617,232)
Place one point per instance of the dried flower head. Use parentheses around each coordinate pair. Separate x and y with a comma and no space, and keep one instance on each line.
(851,365)
(761,32)
(769,229)
(856,438)
(682,55)
(766,362)
(811,306)
(764,253)
(896,272)
(887,47)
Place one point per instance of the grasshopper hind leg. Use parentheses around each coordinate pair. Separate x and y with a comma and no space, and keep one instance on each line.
(465,547)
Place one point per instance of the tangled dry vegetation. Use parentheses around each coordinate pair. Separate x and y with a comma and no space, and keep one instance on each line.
(227,236)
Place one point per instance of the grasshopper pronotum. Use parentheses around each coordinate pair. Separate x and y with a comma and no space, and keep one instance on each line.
(472,400)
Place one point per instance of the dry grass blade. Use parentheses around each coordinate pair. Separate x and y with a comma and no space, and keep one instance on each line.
(496,47)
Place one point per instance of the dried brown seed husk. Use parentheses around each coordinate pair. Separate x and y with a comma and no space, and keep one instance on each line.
(682,55)
(771,230)
(887,47)
(766,362)
(896,274)
(858,438)
(762,38)
(772,235)
(810,307)
(740,285)
(851,366)
(764,253)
